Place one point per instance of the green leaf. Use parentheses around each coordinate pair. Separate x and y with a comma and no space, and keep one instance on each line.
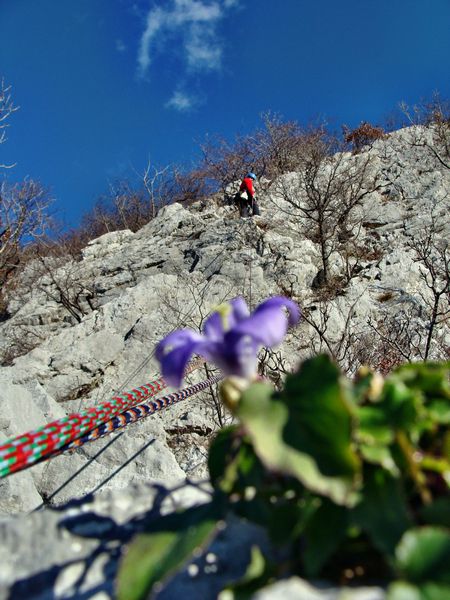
(382,512)
(432,379)
(254,578)
(153,556)
(265,419)
(435,591)
(306,432)
(401,590)
(373,426)
(437,513)
(379,455)
(222,454)
(232,462)
(323,535)
(423,555)
(320,416)
(439,411)
(400,403)
(287,519)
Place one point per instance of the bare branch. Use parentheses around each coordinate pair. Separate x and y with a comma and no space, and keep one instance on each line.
(7,108)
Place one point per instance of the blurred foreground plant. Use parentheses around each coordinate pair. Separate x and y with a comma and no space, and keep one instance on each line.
(350,479)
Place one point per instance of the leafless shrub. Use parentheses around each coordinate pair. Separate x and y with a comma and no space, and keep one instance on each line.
(55,272)
(7,108)
(325,193)
(433,117)
(272,366)
(122,208)
(23,220)
(392,340)
(188,186)
(413,333)
(363,135)
(432,253)
(327,335)
(224,162)
(273,149)
(22,338)
(280,145)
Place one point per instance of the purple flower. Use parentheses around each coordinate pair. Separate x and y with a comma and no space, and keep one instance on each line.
(231,338)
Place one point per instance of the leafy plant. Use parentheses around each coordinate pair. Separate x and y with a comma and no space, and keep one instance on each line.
(349,478)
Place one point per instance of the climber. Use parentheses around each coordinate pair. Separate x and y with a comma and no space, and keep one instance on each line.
(245,198)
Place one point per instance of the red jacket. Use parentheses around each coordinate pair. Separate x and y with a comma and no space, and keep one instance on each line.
(247,186)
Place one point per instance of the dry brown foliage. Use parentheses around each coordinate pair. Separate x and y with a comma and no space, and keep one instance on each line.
(363,135)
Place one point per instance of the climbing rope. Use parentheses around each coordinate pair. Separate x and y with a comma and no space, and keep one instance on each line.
(29,448)
(136,413)
(73,431)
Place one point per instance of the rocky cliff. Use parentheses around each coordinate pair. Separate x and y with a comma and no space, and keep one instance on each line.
(82,330)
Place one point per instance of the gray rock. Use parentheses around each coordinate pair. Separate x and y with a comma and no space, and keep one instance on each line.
(298,589)
(171,274)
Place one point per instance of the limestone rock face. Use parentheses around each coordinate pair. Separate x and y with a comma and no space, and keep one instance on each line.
(74,552)
(133,288)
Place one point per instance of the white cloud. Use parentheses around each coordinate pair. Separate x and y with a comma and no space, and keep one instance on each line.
(156,21)
(181,101)
(202,50)
(194,23)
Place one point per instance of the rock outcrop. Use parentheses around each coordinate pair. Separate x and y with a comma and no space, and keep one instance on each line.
(138,287)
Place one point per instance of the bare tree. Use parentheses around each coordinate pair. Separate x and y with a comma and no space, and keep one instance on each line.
(325,192)
(432,252)
(431,127)
(23,219)
(271,150)
(152,177)
(57,275)
(337,338)
(279,145)
(7,108)
(23,210)
(363,135)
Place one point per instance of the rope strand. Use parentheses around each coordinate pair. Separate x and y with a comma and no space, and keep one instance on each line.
(31,447)
(131,415)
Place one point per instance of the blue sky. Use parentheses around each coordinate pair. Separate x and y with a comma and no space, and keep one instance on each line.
(104,85)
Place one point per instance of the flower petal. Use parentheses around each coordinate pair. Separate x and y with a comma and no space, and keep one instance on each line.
(173,340)
(268,324)
(281,302)
(174,363)
(232,345)
(238,355)
(174,352)
(213,327)
(239,312)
